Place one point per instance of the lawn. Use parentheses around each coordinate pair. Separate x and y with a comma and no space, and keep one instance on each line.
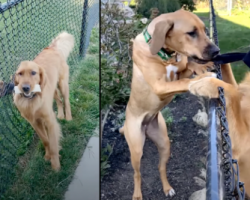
(34,177)
(233,35)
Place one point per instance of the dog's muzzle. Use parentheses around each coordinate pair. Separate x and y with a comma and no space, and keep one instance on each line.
(29,95)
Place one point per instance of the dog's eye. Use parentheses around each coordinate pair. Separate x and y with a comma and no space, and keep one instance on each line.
(20,74)
(33,73)
(192,34)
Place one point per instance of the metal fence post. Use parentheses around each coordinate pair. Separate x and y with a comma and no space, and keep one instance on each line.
(214,183)
(82,48)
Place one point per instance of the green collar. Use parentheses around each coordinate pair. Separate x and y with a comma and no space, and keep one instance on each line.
(162,53)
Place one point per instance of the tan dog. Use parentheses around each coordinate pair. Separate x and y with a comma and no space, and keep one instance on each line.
(48,69)
(238,115)
(155,81)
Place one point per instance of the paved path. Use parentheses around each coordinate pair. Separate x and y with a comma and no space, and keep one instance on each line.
(85,184)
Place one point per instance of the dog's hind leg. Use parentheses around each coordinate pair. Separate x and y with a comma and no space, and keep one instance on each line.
(64,88)
(59,104)
(157,132)
(135,139)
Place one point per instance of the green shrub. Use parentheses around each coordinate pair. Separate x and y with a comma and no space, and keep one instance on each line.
(105,154)
(116,53)
(167,115)
(164,6)
(187,5)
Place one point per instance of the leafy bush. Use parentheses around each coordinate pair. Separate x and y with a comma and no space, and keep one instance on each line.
(116,53)
(164,6)
(105,154)
(187,5)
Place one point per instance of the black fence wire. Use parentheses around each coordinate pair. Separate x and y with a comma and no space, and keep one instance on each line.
(26,27)
(222,171)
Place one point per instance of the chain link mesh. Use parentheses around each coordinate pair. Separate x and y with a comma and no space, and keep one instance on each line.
(234,189)
(26,27)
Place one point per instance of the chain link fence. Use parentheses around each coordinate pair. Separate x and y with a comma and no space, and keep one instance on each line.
(26,27)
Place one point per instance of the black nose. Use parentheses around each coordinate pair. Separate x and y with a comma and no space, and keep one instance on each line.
(26,88)
(214,51)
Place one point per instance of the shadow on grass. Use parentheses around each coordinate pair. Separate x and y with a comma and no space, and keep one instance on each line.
(233,37)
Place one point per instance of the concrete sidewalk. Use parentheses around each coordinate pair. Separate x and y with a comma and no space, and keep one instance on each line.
(85,184)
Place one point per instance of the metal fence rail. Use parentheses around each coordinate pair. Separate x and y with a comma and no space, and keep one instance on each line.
(222,171)
(26,27)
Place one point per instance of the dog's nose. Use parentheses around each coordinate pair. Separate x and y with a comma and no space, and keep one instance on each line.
(26,88)
(214,51)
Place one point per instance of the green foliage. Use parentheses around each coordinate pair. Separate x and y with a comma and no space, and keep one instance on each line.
(145,6)
(105,154)
(183,119)
(187,5)
(116,50)
(164,6)
(167,115)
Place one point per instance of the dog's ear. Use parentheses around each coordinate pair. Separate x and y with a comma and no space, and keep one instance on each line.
(159,35)
(42,77)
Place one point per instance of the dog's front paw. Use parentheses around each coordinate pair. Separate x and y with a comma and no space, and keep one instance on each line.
(200,68)
(204,87)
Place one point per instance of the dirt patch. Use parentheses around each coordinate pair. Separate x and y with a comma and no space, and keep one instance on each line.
(187,149)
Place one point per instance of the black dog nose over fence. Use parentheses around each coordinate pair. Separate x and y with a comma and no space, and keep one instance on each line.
(26,27)
(222,180)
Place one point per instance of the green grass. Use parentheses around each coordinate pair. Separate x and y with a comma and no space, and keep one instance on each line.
(233,35)
(35,179)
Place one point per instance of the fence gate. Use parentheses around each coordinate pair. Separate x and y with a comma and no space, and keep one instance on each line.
(26,27)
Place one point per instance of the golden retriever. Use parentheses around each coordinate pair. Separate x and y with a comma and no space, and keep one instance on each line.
(48,70)
(238,114)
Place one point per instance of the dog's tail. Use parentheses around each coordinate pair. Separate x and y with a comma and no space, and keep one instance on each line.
(63,43)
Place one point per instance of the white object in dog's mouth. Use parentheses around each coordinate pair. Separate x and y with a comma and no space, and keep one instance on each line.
(37,88)
(28,95)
